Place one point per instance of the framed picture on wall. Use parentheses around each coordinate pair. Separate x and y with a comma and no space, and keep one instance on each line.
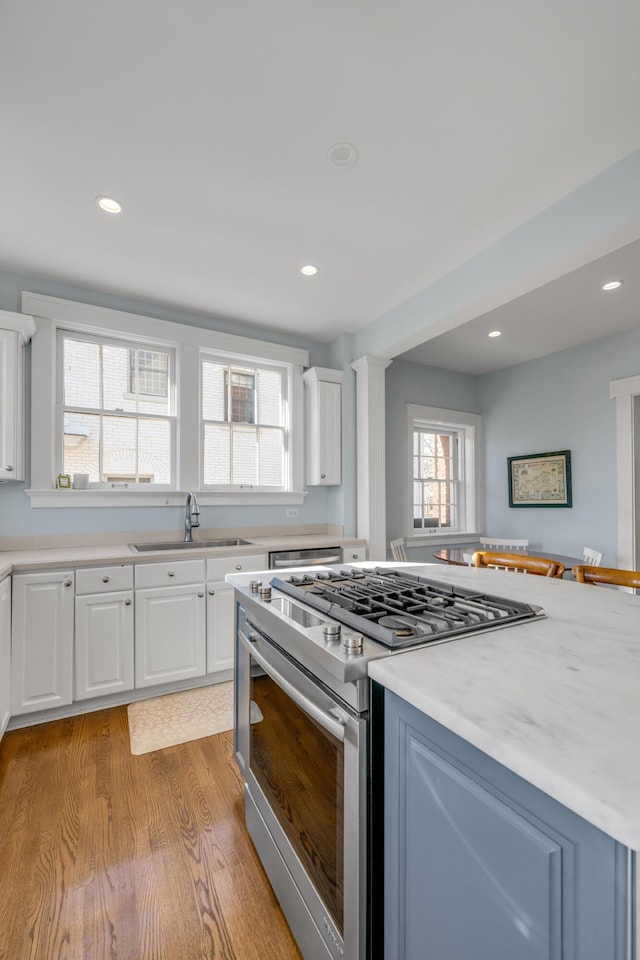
(540,480)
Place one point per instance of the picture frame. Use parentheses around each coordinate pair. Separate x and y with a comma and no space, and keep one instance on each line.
(540,480)
(63,481)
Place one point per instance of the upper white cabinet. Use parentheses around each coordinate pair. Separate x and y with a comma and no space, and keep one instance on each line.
(323,389)
(16,330)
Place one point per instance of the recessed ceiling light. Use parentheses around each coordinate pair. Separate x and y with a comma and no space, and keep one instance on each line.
(612,285)
(342,155)
(495,333)
(109,205)
(309,270)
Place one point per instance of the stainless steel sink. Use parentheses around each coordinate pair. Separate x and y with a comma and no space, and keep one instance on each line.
(188,545)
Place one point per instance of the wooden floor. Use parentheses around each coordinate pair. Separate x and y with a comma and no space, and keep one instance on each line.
(107,856)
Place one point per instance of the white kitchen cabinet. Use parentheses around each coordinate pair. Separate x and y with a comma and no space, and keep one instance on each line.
(104,643)
(323,393)
(354,554)
(16,330)
(5,653)
(220,607)
(42,641)
(170,631)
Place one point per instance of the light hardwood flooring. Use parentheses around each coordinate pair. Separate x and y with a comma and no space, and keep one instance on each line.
(109,856)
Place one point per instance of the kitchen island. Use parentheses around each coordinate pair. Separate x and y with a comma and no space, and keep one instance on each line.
(512,781)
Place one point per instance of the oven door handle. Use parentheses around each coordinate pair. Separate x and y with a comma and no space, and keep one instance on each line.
(333,724)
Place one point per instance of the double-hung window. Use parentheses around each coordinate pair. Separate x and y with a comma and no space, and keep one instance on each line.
(245,433)
(117,400)
(443,471)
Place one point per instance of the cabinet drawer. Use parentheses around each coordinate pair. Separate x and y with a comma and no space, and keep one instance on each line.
(354,554)
(169,574)
(219,567)
(104,579)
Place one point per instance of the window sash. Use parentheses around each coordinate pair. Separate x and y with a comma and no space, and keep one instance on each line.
(436,472)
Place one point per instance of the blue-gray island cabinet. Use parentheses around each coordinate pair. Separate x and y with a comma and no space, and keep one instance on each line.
(481,865)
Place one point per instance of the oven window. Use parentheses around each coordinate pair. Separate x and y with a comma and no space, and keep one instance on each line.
(300,768)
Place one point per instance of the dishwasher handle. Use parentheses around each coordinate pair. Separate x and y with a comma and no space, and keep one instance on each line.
(309,562)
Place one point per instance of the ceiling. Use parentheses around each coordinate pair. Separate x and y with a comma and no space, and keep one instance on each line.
(564,313)
(212,124)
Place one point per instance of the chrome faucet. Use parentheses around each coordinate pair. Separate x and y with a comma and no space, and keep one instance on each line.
(192,516)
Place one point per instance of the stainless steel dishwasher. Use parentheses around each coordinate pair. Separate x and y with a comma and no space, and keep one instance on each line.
(304,558)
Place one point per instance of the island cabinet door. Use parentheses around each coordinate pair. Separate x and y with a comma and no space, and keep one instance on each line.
(480,865)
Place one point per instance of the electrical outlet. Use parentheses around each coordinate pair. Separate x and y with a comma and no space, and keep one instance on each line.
(292,514)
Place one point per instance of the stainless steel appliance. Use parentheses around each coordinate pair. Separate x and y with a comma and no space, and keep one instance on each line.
(311,556)
(302,726)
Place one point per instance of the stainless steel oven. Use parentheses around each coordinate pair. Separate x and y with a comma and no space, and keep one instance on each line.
(303,752)
(303,734)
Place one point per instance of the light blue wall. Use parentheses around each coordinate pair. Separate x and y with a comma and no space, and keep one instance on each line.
(18,518)
(559,402)
(415,383)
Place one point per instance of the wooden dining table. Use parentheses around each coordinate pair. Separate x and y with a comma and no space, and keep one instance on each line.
(455,555)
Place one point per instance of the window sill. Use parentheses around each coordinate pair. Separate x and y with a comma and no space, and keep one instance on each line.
(159,498)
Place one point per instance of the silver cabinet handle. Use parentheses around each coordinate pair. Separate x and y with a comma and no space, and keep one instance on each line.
(323,476)
(212,593)
(171,573)
(68,583)
(238,566)
(106,579)
(8,468)
(200,594)
(127,603)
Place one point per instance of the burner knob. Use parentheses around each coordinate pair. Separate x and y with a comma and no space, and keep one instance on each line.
(255,585)
(331,631)
(353,643)
(265,594)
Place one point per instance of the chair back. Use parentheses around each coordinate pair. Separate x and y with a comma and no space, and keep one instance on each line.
(592,558)
(595,575)
(499,543)
(398,551)
(520,563)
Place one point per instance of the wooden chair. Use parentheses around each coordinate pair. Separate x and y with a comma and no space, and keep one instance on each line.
(592,558)
(595,575)
(519,563)
(398,551)
(499,543)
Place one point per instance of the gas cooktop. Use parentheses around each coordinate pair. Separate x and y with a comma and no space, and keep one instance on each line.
(400,609)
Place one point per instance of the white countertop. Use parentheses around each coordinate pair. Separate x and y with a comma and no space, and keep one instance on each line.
(556,700)
(23,561)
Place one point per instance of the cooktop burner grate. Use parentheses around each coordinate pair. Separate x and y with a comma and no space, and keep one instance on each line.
(401,609)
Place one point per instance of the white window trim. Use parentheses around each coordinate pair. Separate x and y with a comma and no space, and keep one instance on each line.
(51,314)
(470,426)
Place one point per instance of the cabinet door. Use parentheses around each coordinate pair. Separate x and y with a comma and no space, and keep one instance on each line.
(479,863)
(5,653)
(220,626)
(42,641)
(10,414)
(170,634)
(324,425)
(104,644)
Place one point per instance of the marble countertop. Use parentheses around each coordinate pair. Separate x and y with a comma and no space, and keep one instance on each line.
(556,700)
(94,554)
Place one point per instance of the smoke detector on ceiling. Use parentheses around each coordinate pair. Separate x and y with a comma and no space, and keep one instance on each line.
(342,155)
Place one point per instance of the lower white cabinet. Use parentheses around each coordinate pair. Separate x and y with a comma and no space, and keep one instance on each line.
(104,644)
(5,653)
(220,607)
(354,554)
(42,641)
(170,625)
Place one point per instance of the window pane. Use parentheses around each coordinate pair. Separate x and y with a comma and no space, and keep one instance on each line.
(213,392)
(150,373)
(271,458)
(119,453)
(81,445)
(154,451)
(81,374)
(244,467)
(243,397)
(116,383)
(269,398)
(217,454)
